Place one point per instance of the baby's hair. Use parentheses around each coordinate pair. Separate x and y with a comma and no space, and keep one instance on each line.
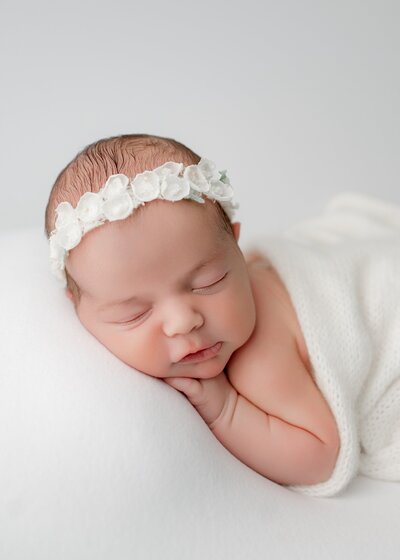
(129,154)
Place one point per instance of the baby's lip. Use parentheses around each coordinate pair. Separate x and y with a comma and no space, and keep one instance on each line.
(204,347)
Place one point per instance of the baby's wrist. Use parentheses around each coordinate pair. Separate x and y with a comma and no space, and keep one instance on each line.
(227,411)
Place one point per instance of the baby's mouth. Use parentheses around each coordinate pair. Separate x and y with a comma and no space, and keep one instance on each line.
(202,355)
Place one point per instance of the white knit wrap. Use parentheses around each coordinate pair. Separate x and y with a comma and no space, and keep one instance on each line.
(342,271)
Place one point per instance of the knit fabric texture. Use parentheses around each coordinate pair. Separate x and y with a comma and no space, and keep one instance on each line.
(342,272)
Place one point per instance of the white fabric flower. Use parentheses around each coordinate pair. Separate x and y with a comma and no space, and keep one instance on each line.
(118,203)
(194,195)
(207,167)
(65,215)
(197,180)
(57,258)
(174,188)
(89,207)
(56,251)
(115,186)
(57,268)
(146,186)
(118,207)
(220,191)
(224,177)
(69,236)
(168,168)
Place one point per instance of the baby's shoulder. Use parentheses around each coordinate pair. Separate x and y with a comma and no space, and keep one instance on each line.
(272,370)
(277,326)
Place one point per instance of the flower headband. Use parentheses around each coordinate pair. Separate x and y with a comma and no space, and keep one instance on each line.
(120,196)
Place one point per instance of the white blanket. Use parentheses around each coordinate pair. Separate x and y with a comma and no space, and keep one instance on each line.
(342,271)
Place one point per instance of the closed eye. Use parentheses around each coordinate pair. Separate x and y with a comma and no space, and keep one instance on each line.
(198,290)
(210,285)
(132,320)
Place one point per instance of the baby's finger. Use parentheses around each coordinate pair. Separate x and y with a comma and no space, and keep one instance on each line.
(191,387)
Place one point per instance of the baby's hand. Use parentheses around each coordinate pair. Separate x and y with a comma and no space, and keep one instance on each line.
(208,396)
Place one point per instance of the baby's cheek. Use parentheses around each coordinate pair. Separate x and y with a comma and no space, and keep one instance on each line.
(238,314)
(135,349)
(147,350)
(146,353)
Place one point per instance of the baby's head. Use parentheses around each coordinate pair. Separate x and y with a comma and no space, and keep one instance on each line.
(167,280)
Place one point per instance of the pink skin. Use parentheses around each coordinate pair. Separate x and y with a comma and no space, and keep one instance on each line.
(150,256)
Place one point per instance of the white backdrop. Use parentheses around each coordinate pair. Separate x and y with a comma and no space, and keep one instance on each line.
(298,100)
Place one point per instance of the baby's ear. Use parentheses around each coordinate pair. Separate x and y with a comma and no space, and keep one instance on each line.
(236,230)
(68,293)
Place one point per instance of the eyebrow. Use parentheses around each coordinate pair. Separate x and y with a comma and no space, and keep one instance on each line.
(198,267)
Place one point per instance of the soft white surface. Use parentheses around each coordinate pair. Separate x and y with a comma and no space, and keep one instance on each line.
(99,461)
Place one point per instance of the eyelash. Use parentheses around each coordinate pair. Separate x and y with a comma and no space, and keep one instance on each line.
(143,314)
(213,284)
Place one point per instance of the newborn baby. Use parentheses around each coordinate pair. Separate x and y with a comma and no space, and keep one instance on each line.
(166,288)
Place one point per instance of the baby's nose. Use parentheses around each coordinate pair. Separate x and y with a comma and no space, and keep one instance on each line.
(181,319)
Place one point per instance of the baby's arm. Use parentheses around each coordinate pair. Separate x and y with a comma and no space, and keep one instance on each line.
(276,449)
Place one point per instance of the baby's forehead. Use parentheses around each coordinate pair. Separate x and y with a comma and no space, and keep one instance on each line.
(184,217)
(149,267)
(154,237)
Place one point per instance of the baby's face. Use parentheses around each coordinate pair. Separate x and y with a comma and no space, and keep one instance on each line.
(164,284)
